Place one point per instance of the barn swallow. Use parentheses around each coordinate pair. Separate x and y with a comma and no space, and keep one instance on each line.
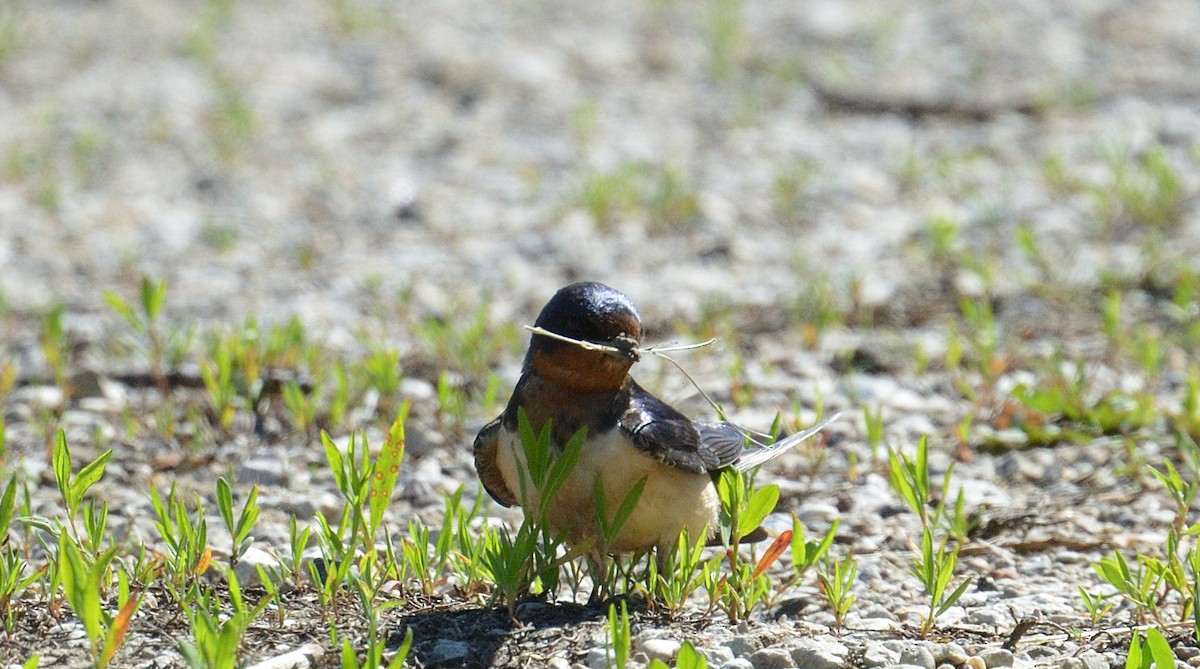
(631,434)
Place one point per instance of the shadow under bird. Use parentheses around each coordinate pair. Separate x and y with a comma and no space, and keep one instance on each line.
(631,434)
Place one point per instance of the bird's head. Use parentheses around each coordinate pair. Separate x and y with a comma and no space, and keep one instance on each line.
(590,312)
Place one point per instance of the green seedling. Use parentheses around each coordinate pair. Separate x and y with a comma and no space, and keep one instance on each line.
(216,638)
(910,480)
(373,657)
(452,402)
(466,341)
(367,485)
(1097,605)
(935,569)
(164,350)
(302,406)
(240,528)
(874,423)
(620,638)
(688,658)
(84,582)
(530,555)
(743,509)
(55,346)
(984,338)
(381,370)
(1155,651)
(836,580)
(806,554)
(186,540)
(466,556)
(680,575)
(725,35)
(73,488)
(1144,192)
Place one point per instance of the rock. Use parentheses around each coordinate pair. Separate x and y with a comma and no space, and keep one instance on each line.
(247,566)
(996,657)
(738,663)
(918,655)
(877,655)
(949,653)
(599,658)
(660,649)
(771,658)
(266,471)
(741,646)
(819,654)
(448,652)
(974,662)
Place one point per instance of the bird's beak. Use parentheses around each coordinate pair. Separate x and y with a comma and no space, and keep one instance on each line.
(627,347)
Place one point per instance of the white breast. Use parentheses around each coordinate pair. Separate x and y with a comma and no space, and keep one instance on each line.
(671,501)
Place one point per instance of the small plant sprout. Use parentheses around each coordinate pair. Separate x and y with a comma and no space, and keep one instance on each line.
(367,485)
(1097,605)
(73,488)
(1155,651)
(935,569)
(836,577)
(530,555)
(910,479)
(806,554)
(688,658)
(163,350)
(620,638)
(84,582)
(240,528)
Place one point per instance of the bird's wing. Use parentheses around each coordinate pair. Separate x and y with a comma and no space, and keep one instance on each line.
(661,432)
(753,457)
(486,445)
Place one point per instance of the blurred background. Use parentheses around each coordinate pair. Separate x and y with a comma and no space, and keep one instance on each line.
(797,165)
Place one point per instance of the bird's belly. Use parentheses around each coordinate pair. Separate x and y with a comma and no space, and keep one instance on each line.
(671,501)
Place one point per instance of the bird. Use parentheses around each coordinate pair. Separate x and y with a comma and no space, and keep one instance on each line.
(632,436)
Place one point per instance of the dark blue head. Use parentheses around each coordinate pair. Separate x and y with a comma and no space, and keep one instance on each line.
(591,312)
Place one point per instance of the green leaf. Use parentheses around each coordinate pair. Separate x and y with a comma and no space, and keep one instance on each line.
(89,475)
(61,460)
(7,503)
(561,468)
(1160,649)
(953,597)
(761,503)
(153,295)
(626,508)
(336,463)
(225,503)
(119,305)
(690,658)
(387,468)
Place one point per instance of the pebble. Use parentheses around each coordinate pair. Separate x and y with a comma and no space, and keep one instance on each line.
(771,658)
(660,649)
(878,655)
(974,662)
(819,653)
(247,566)
(448,652)
(741,646)
(917,655)
(949,653)
(738,663)
(1085,661)
(261,472)
(996,657)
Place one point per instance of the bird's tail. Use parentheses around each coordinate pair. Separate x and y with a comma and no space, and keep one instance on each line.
(753,457)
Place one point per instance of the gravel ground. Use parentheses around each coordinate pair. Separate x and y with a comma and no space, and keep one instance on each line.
(742,169)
